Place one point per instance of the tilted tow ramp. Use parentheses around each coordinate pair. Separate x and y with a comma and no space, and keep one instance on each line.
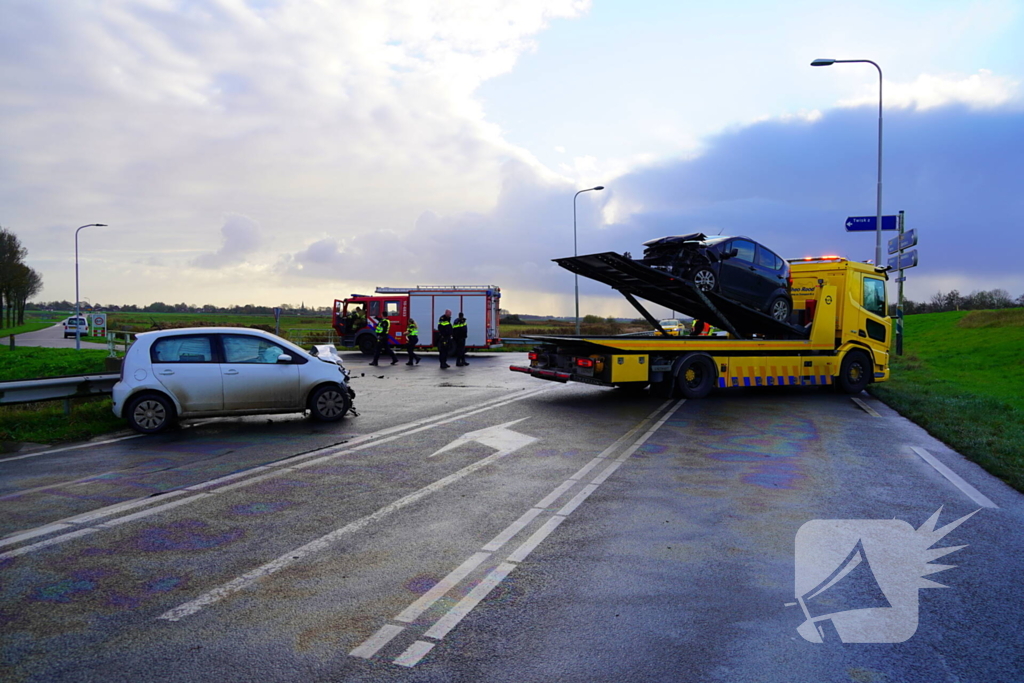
(634,280)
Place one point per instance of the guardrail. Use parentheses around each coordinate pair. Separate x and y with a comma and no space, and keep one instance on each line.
(52,388)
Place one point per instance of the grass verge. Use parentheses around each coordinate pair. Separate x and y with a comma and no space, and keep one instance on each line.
(960,381)
(46,422)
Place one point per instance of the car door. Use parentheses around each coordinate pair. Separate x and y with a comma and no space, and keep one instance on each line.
(770,277)
(873,312)
(738,275)
(253,378)
(186,366)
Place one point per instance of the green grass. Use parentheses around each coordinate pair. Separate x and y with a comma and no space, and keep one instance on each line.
(21,329)
(961,379)
(27,362)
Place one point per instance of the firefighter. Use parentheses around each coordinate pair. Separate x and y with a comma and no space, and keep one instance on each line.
(459,334)
(444,337)
(383,342)
(412,337)
(700,329)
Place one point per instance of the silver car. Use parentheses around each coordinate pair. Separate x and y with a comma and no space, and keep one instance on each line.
(207,371)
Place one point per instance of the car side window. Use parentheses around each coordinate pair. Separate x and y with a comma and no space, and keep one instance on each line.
(767,259)
(874,296)
(744,249)
(183,349)
(373,309)
(245,349)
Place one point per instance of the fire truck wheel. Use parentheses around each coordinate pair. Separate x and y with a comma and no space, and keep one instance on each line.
(855,372)
(696,376)
(367,344)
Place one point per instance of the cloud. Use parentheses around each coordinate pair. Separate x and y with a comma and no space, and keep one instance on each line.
(982,90)
(241,237)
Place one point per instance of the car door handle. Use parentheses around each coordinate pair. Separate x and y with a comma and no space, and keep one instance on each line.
(752,268)
(166,372)
(231,372)
(861,333)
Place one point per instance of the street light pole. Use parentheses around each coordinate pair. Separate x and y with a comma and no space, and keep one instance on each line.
(878,225)
(575,253)
(78,329)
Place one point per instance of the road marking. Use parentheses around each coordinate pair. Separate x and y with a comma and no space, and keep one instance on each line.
(464,606)
(441,587)
(276,469)
(415,652)
(326,541)
(498,437)
(865,407)
(376,641)
(971,492)
(72,448)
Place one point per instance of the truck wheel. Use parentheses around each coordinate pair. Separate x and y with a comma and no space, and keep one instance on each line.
(696,376)
(150,413)
(329,403)
(855,372)
(780,309)
(705,279)
(367,344)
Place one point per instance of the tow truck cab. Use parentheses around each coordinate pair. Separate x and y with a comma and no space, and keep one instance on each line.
(842,302)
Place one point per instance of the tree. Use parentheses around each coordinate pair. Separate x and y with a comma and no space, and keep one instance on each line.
(11,256)
(25,283)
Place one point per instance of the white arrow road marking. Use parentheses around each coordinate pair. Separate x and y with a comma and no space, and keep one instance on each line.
(498,437)
(326,541)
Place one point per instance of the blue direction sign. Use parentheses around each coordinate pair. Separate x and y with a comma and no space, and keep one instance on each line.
(908,239)
(894,245)
(868,223)
(894,262)
(908,259)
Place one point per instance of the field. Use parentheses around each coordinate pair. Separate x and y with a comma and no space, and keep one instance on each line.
(961,379)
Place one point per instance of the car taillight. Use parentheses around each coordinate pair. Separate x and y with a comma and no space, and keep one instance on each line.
(534,355)
(585,362)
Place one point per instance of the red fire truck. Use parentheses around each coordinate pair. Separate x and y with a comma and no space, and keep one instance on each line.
(355,319)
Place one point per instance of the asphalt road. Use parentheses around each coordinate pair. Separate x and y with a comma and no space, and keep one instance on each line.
(50,337)
(478,525)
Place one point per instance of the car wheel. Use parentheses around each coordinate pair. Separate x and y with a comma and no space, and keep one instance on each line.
(150,413)
(855,372)
(780,309)
(696,376)
(367,344)
(705,279)
(329,403)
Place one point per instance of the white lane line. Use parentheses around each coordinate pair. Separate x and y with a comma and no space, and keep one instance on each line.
(414,653)
(275,470)
(441,587)
(38,531)
(72,448)
(48,542)
(865,407)
(530,544)
(957,481)
(376,641)
(321,543)
(450,620)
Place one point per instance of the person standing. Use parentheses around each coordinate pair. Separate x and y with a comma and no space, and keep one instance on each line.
(383,342)
(459,334)
(412,338)
(444,337)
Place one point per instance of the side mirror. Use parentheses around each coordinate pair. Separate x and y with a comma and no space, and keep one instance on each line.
(729,254)
(284,358)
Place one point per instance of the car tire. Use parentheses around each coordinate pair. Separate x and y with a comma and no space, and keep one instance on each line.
(780,308)
(329,403)
(367,344)
(696,376)
(855,372)
(150,413)
(705,279)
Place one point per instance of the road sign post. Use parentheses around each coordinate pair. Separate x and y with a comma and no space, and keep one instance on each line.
(899,295)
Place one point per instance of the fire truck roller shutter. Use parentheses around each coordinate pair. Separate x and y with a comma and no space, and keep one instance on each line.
(474,306)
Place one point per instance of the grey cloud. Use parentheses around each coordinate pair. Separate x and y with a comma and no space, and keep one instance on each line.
(241,236)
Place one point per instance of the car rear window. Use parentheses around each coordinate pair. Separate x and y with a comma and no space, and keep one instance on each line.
(182,349)
(767,259)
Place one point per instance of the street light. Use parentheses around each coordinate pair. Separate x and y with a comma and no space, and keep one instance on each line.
(78,329)
(878,226)
(574,253)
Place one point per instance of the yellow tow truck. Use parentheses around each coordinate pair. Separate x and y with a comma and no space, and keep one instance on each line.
(839,334)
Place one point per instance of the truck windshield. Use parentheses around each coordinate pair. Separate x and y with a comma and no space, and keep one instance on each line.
(874,296)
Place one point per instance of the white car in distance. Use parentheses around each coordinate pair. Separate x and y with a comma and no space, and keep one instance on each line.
(216,371)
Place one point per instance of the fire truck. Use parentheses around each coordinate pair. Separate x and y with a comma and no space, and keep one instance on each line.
(355,319)
(839,333)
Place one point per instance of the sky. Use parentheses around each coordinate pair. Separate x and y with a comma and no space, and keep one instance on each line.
(295,151)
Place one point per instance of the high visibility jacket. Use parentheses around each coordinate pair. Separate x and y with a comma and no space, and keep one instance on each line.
(384,326)
(444,329)
(412,330)
(459,328)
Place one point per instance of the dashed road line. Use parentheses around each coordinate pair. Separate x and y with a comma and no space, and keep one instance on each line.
(957,481)
(415,652)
